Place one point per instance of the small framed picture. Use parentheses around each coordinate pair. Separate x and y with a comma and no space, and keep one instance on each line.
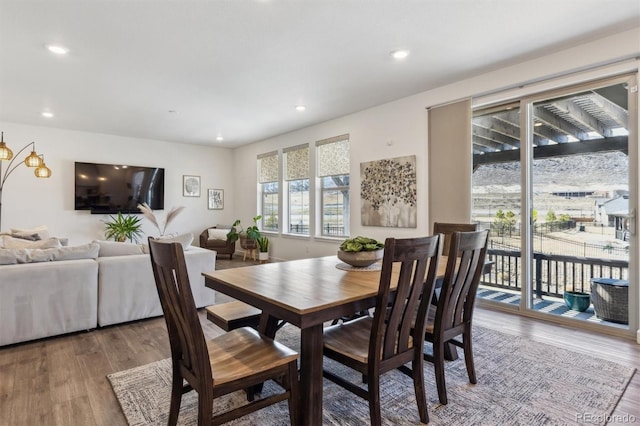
(190,186)
(216,199)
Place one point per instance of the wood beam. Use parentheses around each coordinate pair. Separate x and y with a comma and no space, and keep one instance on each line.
(555,122)
(618,143)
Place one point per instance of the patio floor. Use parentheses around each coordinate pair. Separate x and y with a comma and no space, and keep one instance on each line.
(549,305)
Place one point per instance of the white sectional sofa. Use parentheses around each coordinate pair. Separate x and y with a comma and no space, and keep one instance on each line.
(47,292)
(127,289)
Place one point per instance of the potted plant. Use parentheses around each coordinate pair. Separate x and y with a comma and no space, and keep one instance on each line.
(360,251)
(122,228)
(263,246)
(247,237)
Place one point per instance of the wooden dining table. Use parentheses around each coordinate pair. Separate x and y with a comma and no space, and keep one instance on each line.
(306,293)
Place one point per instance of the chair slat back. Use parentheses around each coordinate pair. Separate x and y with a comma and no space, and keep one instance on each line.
(416,259)
(185,332)
(465,264)
(449,228)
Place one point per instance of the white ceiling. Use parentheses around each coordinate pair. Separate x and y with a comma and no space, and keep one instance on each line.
(237,68)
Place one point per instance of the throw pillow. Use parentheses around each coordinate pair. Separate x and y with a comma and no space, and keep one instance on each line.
(42,231)
(218,234)
(38,255)
(184,239)
(84,251)
(19,243)
(113,248)
(25,236)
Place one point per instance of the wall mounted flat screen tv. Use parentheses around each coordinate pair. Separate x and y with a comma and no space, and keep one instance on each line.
(113,188)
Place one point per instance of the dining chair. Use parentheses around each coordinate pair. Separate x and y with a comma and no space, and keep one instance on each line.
(375,345)
(452,316)
(236,360)
(449,228)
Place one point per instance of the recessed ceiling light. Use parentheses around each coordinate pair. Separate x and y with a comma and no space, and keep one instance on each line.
(219,138)
(47,114)
(57,49)
(300,108)
(399,54)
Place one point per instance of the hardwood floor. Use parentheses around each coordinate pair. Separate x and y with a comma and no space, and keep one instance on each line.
(62,380)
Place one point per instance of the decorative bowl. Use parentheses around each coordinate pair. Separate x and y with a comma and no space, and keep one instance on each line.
(360,258)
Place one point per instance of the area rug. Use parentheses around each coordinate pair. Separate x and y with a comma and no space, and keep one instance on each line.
(520,382)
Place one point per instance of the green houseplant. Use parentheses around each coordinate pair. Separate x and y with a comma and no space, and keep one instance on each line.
(248,237)
(263,244)
(122,228)
(263,247)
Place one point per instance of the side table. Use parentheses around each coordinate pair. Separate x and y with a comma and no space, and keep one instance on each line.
(610,298)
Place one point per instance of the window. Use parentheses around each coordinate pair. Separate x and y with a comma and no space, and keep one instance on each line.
(333,171)
(296,160)
(270,190)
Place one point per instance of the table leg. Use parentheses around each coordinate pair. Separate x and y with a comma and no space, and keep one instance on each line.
(311,375)
(450,352)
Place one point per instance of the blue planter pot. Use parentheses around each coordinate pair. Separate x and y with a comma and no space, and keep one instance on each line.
(577,301)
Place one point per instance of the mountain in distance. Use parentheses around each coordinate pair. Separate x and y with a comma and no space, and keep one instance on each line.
(585,172)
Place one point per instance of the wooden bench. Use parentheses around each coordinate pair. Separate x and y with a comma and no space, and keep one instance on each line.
(232,315)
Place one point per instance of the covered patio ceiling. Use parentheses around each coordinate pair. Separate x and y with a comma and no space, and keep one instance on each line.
(587,122)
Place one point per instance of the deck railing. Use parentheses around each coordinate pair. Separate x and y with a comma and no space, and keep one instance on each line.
(552,274)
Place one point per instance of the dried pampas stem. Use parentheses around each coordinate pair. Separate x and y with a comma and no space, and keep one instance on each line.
(172,213)
(149,214)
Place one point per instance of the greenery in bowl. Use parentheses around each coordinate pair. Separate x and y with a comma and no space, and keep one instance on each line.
(122,228)
(360,251)
(361,244)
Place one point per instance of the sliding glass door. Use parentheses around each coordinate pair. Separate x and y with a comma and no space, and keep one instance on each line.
(554,182)
(497,197)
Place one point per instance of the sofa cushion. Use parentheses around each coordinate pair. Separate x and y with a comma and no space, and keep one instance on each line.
(218,234)
(47,299)
(9,242)
(42,231)
(11,256)
(114,248)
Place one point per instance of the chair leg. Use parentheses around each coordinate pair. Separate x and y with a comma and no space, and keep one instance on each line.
(468,356)
(176,396)
(438,366)
(417,369)
(205,406)
(294,401)
(374,400)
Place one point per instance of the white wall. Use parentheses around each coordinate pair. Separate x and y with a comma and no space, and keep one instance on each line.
(28,201)
(404,123)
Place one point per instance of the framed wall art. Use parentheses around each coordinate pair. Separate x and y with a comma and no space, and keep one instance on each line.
(388,192)
(216,199)
(190,186)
